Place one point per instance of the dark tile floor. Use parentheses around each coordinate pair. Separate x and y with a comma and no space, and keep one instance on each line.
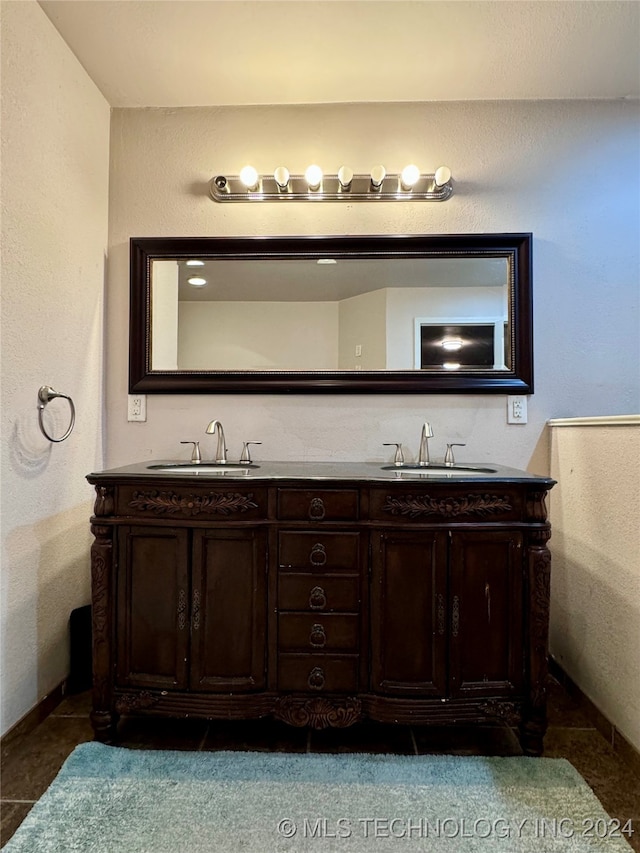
(30,763)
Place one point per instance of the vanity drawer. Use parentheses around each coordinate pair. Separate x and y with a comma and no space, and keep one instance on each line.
(438,503)
(318,673)
(318,504)
(318,593)
(193,502)
(319,551)
(315,632)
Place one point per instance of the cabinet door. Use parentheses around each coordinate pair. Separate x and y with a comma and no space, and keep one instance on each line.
(228,612)
(408,612)
(486,613)
(152,624)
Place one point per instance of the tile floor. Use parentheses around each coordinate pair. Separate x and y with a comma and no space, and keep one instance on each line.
(30,763)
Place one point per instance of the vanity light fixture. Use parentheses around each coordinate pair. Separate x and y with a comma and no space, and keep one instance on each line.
(197,281)
(376,185)
(194,263)
(326,261)
(451,365)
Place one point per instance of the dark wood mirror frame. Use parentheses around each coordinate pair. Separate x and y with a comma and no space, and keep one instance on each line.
(515,247)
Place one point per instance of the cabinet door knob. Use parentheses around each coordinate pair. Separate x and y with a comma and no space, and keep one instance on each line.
(316,678)
(316,509)
(317,598)
(318,636)
(318,555)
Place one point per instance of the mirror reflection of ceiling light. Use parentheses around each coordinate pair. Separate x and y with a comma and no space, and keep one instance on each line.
(451,365)
(196,281)
(194,263)
(451,344)
(326,261)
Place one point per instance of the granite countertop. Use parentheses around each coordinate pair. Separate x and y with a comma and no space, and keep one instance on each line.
(338,471)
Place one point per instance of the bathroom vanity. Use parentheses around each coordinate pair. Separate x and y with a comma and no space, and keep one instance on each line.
(321,594)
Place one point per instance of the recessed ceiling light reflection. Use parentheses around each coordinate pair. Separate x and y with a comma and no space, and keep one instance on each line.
(451,344)
(326,261)
(451,365)
(196,281)
(194,263)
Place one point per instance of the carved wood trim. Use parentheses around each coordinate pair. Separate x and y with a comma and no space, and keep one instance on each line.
(105,503)
(414,506)
(170,503)
(318,713)
(507,711)
(128,703)
(101,565)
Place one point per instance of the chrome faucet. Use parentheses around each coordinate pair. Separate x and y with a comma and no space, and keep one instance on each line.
(221,450)
(423,455)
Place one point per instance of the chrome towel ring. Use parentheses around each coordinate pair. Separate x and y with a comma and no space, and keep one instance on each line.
(45,394)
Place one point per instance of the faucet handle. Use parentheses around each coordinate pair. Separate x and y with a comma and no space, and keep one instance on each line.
(195,456)
(399,457)
(448,457)
(245,456)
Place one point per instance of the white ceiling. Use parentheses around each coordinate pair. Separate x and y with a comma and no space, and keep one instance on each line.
(171,53)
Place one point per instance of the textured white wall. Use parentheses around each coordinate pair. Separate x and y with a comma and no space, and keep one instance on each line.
(55,150)
(595,579)
(529,166)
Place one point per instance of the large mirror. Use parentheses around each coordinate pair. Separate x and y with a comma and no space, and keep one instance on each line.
(334,314)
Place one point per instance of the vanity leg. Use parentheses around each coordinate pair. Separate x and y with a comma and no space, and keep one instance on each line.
(104,725)
(534,720)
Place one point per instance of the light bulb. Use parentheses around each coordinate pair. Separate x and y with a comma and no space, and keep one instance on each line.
(313,177)
(410,176)
(345,176)
(451,365)
(281,176)
(249,177)
(377,177)
(196,281)
(442,176)
(194,263)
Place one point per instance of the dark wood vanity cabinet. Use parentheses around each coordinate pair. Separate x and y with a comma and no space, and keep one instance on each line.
(321,604)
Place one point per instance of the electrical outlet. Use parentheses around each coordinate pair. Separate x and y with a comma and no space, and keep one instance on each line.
(516,409)
(136,407)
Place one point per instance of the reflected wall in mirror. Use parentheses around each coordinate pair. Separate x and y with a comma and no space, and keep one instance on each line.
(394,313)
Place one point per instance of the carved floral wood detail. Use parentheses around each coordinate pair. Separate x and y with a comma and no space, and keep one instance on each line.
(130,702)
(414,506)
(170,503)
(318,713)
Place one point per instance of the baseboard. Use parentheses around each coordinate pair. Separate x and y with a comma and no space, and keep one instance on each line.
(34,717)
(627,751)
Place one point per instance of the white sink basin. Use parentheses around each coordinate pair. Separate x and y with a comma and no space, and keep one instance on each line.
(203,467)
(438,468)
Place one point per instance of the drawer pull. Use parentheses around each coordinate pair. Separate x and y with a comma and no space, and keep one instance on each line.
(318,636)
(318,555)
(316,509)
(316,678)
(317,598)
